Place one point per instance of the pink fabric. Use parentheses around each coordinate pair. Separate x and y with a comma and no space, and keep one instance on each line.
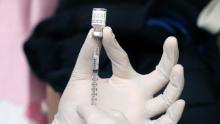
(18,17)
(35,113)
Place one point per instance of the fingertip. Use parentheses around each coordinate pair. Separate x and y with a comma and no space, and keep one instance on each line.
(170,56)
(171,41)
(172,38)
(178,107)
(90,39)
(107,28)
(176,110)
(107,33)
(177,76)
(90,32)
(181,102)
(171,45)
(178,69)
(109,41)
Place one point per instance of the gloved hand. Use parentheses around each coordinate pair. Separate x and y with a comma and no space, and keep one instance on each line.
(95,115)
(126,91)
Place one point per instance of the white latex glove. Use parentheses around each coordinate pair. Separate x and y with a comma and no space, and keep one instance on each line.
(95,115)
(126,91)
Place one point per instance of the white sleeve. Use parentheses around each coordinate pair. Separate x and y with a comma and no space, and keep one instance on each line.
(209,18)
(55,120)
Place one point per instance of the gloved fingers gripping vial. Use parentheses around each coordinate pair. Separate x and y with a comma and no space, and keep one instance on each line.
(98,23)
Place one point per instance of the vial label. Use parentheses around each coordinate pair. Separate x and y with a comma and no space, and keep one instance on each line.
(99,17)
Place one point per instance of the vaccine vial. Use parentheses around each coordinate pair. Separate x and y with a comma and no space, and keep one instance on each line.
(98,21)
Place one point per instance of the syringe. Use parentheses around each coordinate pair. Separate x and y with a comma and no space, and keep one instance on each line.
(98,23)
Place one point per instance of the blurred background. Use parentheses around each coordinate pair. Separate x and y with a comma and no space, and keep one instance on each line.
(40,41)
